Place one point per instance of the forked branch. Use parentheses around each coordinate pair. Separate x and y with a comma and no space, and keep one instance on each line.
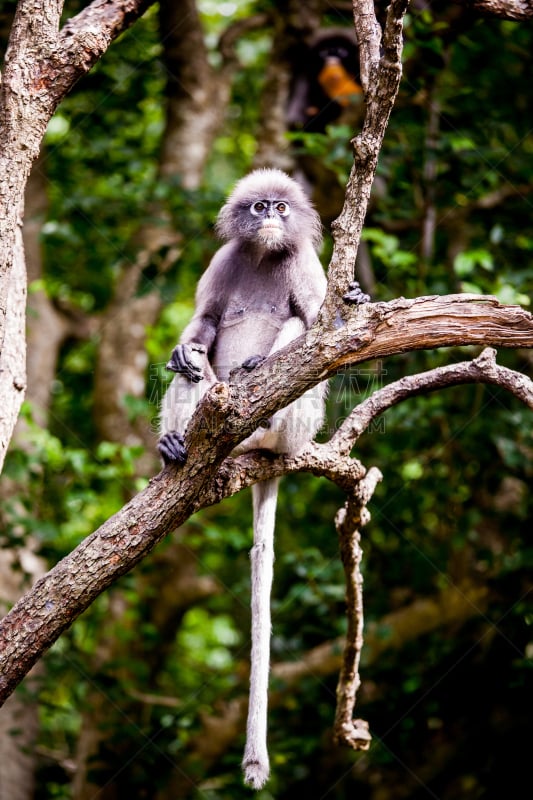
(381,75)
(57,599)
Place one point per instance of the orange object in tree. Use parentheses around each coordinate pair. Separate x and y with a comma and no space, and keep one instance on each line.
(337,83)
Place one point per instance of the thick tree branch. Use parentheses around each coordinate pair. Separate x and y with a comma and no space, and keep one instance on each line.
(41,65)
(84,39)
(519,10)
(371,331)
(119,544)
(13,350)
(381,80)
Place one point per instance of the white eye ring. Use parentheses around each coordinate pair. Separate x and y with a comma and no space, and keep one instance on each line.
(258,208)
(283,208)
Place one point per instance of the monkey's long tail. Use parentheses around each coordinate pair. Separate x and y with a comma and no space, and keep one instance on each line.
(255,762)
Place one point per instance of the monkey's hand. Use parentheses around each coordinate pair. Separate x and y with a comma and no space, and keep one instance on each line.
(172,448)
(184,361)
(355,296)
(252,362)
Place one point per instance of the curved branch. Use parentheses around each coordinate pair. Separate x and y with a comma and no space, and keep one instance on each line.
(59,597)
(84,39)
(231,35)
(61,58)
(482,369)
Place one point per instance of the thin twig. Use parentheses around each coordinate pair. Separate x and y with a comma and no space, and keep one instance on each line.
(349,731)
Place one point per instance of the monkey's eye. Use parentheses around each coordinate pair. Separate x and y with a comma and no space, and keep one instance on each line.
(283,208)
(258,208)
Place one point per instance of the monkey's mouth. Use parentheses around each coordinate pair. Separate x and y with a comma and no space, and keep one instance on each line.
(270,234)
(271,229)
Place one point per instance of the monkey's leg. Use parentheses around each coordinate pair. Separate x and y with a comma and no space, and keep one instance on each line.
(299,423)
(255,762)
(180,401)
(291,428)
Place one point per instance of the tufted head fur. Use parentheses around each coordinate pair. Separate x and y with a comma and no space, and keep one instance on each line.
(235,219)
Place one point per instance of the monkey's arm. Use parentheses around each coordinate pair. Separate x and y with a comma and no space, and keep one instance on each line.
(190,360)
(189,355)
(193,379)
(307,295)
(199,336)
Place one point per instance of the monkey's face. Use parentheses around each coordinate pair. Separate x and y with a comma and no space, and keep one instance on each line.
(269,218)
(269,209)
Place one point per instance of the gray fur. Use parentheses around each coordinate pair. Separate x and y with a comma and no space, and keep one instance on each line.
(262,289)
(303,223)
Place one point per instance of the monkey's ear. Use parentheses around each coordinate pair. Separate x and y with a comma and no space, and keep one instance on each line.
(224,226)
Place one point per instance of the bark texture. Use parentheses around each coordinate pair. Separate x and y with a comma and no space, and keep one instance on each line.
(230,411)
(380,77)
(42,63)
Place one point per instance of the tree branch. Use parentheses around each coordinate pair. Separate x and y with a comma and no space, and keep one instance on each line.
(349,731)
(13,350)
(519,10)
(381,80)
(375,330)
(171,497)
(482,369)
(83,40)
(40,67)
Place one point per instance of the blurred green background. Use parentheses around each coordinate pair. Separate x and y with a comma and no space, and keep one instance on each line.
(143,696)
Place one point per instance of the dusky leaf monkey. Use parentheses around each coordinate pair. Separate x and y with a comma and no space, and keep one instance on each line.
(263,289)
(325,80)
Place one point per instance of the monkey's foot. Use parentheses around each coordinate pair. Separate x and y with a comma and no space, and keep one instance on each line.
(355,296)
(252,362)
(172,448)
(256,773)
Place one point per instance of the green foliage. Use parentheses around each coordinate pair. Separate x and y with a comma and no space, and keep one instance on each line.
(454,505)
(331,149)
(70,489)
(101,152)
